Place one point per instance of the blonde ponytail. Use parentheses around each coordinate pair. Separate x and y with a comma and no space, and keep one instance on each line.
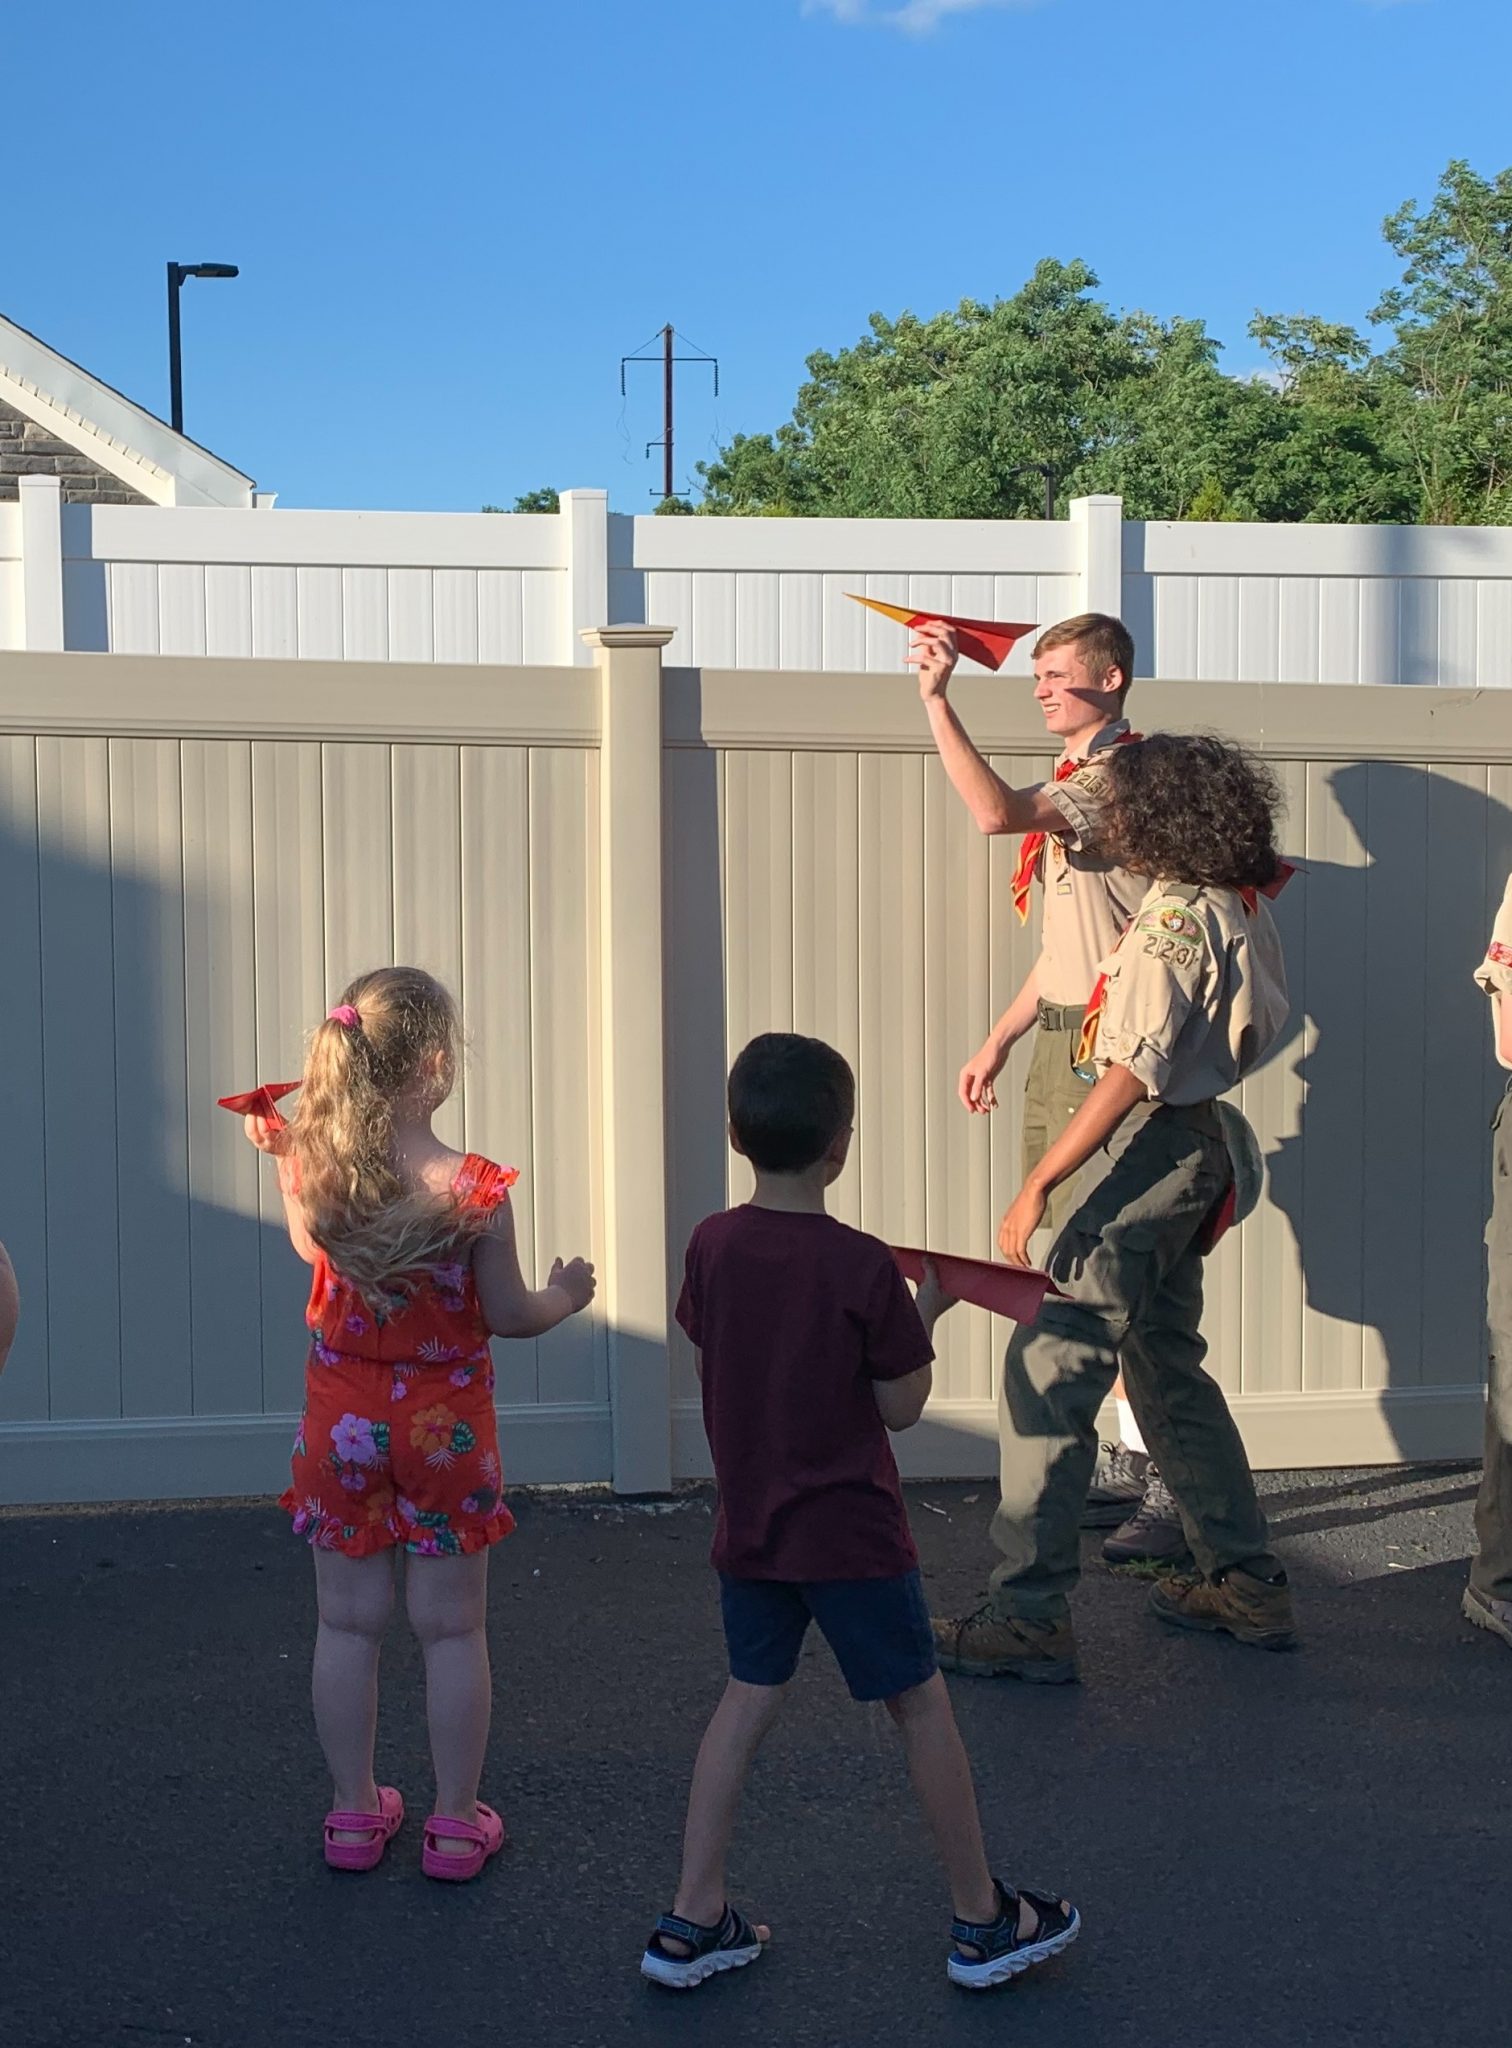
(394,1033)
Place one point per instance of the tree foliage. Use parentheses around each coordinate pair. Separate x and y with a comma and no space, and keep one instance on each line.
(955,416)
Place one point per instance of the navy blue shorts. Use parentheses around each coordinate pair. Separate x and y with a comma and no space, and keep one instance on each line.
(878,1629)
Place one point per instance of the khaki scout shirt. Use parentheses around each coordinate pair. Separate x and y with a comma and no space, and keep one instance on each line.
(1196,993)
(1495,972)
(1088,902)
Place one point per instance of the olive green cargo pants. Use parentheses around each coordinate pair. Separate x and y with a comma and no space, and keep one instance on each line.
(1053,1093)
(1491,1571)
(1128,1264)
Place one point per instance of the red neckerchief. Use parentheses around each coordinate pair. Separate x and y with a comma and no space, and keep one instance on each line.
(1034,842)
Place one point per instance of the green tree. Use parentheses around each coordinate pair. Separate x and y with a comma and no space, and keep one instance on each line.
(531,501)
(951,417)
(1449,369)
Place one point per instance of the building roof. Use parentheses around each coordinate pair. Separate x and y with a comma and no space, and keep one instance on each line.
(112,430)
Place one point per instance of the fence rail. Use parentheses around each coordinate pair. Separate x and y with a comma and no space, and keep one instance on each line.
(626,871)
(1229,602)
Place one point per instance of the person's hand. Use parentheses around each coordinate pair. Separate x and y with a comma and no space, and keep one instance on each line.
(933,653)
(977,1076)
(930,1297)
(1019,1225)
(576,1280)
(270,1138)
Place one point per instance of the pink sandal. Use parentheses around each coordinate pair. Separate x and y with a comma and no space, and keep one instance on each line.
(381,1828)
(487,1838)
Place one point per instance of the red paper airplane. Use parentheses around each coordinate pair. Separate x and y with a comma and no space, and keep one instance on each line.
(1017,1292)
(1273,889)
(262,1101)
(989,641)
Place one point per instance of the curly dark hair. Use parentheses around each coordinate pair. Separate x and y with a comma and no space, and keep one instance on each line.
(1190,807)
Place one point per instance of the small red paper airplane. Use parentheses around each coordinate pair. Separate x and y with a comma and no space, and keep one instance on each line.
(1017,1292)
(262,1101)
(1271,890)
(989,641)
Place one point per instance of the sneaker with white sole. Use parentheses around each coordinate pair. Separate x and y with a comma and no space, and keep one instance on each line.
(1484,1610)
(728,1945)
(992,1954)
(1118,1485)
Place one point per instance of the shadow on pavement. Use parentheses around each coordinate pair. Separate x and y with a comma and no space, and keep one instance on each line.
(1267,1850)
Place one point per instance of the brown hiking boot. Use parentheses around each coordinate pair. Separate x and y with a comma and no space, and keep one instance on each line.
(985,1645)
(1250,1610)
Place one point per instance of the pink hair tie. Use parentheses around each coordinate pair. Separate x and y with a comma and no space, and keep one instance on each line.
(345,1015)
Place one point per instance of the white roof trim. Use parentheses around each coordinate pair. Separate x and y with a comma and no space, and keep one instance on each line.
(121,436)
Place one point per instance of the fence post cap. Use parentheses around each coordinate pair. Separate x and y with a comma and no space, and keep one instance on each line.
(626,636)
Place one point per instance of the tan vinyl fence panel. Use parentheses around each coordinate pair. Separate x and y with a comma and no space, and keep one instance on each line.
(175,912)
(854,899)
(192,863)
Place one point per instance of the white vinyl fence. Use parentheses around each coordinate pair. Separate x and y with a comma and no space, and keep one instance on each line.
(1226,602)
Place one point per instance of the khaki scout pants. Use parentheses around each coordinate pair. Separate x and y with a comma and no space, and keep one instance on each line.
(1053,1093)
(1128,1264)
(1492,1570)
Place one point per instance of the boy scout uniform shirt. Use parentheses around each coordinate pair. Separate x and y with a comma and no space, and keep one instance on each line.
(1196,993)
(1494,974)
(1088,901)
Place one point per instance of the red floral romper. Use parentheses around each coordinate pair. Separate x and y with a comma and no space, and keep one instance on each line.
(399,1442)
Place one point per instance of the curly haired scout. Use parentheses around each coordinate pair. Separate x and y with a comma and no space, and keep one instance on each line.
(1192,997)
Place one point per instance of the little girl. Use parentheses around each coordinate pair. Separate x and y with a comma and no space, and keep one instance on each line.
(413,1247)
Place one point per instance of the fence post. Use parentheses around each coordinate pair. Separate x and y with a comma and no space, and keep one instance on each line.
(41,562)
(1099,525)
(634,1286)
(585,532)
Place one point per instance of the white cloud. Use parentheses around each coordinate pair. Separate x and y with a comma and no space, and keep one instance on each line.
(914,17)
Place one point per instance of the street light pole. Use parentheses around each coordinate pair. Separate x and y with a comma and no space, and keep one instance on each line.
(177,272)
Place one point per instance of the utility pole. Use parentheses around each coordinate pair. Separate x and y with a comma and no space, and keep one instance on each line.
(668,338)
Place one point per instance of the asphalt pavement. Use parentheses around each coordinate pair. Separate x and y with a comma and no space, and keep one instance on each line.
(1268,1851)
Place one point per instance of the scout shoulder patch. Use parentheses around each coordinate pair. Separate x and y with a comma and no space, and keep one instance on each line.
(1168,931)
(1090,781)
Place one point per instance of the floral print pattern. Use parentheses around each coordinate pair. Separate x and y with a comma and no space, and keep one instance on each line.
(429,1478)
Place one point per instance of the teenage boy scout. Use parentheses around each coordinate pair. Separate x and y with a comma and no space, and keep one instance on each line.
(1488,1598)
(1082,671)
(1189,1001)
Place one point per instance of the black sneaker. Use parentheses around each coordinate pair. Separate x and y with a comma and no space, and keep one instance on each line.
(1118,1485)
(1153,1534)
(984,1956)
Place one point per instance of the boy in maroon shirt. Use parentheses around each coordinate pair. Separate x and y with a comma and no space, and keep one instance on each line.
(809,1351)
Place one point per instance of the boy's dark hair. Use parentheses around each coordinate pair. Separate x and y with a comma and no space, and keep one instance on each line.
(1190,807)
(790,1098)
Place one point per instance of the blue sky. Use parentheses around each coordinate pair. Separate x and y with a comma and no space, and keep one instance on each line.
(453,220)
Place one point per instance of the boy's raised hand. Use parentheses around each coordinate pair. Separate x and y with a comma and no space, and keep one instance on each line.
(933,653)
(576,1280)
(930,1298)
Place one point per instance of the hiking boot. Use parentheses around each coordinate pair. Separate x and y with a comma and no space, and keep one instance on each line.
(986,1645)
(1487,1612)
(1153,1533)
(1251,1610)
(1118,1484)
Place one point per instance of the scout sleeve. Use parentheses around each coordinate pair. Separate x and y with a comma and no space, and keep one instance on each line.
(1081,800)
(1165,972)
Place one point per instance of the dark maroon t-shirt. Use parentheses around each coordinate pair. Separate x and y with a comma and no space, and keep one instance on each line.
(795,1316)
